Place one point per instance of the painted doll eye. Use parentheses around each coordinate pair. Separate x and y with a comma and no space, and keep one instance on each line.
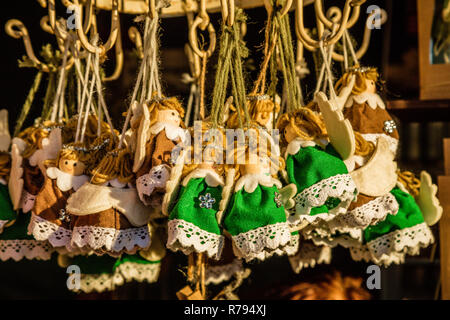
(74,164)
(66,162)
(173,114)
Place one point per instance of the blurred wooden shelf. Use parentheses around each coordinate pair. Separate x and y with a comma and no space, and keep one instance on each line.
(420,110)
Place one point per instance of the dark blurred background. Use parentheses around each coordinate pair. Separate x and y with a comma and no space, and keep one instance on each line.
(393,50)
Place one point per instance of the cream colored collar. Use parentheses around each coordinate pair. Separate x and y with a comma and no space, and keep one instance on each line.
(3,181)
(295,145)
(66,181)
(172,132)
(91,199)
(372,99)
(250,181)
(212,179)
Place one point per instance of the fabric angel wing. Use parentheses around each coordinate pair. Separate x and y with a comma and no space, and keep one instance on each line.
(427,200)
(5,137)
(340,131)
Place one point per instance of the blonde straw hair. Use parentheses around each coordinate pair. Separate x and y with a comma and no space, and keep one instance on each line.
(156,105)
(360,79)
(33,136)
(306,124)
(116,164)
(255,106)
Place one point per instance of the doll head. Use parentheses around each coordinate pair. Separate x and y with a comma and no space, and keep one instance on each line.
(167,110)
(262,110)
(73,159)
(117,164)
(208,154)
(255,155)
(366,80)
(5,165)
(303,123)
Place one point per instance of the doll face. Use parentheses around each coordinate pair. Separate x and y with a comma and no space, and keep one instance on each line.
(289,133)
(169,116)
(371,86)
(209,165)
(257,165)
(72,167)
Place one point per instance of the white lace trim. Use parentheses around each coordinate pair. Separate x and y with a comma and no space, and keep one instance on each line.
(189,238)
(172,132)
(250,181)
(66,181)
(309,255)
(363,253)
(407,240)
(148,272)
(29,249)
(263,242)
(221,273)
(212,179)
(323,237)
(370,213)
(44,230)
(111,239)
(99,282)
(373,137)
(372,99)
(340,186)
(295,145)
(293,245)
(126,272)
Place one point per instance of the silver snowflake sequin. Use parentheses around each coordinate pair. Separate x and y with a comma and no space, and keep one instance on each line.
(389,126)
(207,201)
(64,216)
(278,199)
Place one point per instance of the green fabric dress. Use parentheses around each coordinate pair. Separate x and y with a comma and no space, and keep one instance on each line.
(193,226)
(16,244)
(323,184)
(7,213)
(105,273)
(389,241)
(256,218)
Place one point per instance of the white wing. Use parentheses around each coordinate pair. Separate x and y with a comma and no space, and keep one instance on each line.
(378,176)
(428,201)
(340,131)
(15,184)
(142,136)
(5,138)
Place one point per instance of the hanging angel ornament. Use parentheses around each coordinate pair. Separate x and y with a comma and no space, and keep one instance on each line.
(396,224)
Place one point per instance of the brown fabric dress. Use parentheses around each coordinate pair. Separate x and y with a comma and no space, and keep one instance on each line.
(49,219)
(109,232)
(158,151)
(364,119)
(33,179)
